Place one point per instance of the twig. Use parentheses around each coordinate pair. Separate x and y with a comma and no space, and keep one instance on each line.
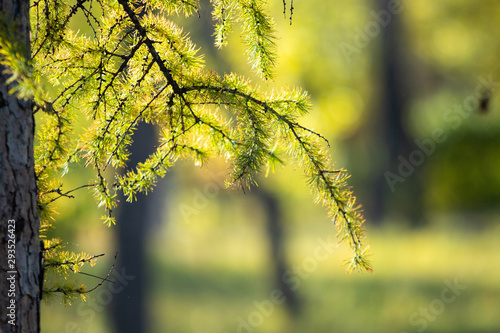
(107,276)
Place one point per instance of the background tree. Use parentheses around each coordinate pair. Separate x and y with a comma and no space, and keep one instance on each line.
(134,223)
(393,100)
(132,69)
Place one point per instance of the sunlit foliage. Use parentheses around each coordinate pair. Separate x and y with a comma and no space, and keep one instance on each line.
(135,65)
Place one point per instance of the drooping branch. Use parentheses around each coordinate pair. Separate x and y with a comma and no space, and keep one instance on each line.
(144,69)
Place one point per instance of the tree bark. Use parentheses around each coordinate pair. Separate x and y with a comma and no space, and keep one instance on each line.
(19,222)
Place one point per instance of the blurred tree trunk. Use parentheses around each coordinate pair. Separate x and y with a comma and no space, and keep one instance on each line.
(394,93)
(134,219)
(20,286)
(274,217)
(275,229)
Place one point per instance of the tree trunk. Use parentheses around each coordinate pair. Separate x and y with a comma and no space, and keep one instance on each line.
(19,222)
(275,233)
(129,308)
(395,93)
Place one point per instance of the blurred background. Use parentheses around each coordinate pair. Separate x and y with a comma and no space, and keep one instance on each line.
(407,93)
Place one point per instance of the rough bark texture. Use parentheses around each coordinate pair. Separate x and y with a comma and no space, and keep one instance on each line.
(18,195)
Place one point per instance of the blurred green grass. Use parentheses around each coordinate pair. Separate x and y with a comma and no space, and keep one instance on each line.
(209,282)
(207,271)
(210,294)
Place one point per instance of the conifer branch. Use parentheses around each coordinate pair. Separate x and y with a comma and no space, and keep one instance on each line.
(143,68)
(263,104)
(106,278)
(50,263)
(149,43)
(67,193)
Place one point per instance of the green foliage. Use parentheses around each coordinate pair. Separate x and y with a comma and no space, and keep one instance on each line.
(58,265)
(257,29)
(135,65)
(14,56)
